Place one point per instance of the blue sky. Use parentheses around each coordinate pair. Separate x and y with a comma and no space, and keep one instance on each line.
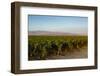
(69,24)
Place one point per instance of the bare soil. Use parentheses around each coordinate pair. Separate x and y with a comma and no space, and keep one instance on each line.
(72,54)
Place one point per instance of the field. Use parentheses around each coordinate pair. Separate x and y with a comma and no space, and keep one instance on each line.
(57,47)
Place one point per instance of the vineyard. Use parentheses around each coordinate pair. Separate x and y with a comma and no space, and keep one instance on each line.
(43,47)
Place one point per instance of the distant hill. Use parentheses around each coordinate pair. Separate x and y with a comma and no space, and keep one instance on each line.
(49,33)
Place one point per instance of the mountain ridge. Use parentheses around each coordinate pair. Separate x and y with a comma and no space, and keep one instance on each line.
(49,33)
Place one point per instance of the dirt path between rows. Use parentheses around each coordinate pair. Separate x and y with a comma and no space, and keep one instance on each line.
(74,54)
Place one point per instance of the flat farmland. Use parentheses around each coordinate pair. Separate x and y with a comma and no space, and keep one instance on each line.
(57,47)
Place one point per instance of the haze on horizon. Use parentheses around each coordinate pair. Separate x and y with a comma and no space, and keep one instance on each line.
(66,24)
